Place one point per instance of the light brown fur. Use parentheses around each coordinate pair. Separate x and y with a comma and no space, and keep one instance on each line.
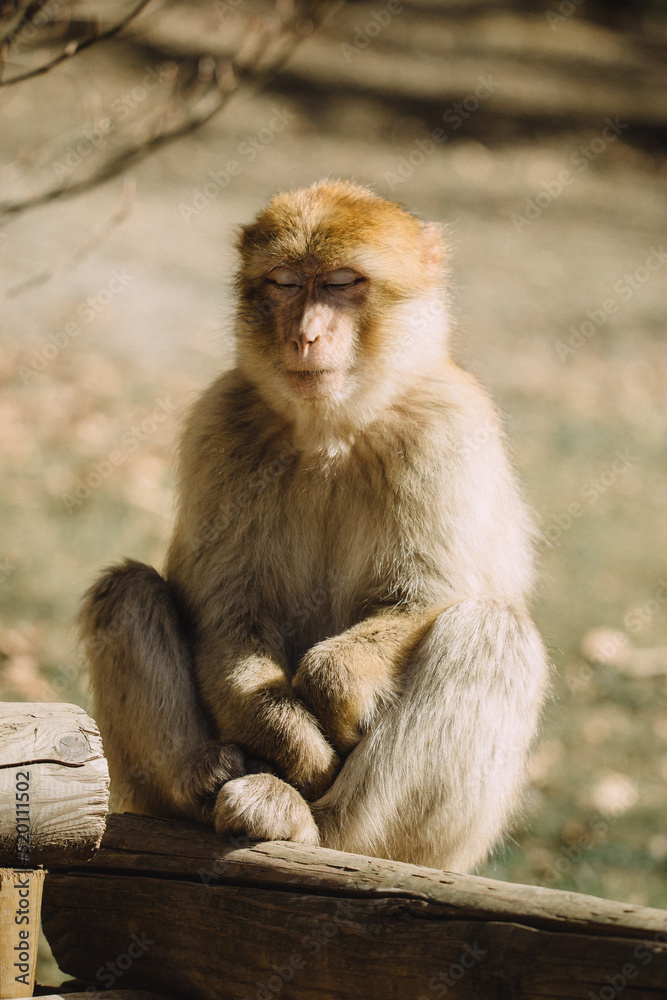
(345,596)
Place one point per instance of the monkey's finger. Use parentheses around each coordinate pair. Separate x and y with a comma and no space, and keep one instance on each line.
(207,768)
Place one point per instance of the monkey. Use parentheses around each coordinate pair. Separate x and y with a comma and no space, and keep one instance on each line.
(340,651)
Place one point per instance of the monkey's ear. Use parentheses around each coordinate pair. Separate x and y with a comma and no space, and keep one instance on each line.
(434,249)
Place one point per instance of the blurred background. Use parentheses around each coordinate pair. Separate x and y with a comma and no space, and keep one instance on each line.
(537,134)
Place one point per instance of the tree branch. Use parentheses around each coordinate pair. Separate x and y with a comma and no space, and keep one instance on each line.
(83,251)
(73,47)
(220,81)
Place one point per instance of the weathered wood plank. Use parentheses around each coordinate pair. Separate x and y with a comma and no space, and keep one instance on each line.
(101,995)
(54,784)
(214,920)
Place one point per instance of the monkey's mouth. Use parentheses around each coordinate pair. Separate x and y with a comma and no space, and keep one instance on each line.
(315,383)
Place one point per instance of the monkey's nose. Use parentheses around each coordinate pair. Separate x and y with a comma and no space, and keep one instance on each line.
(302,340)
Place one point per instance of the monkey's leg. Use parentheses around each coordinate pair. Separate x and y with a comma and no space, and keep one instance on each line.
(347,680)
(161,754)
(438,778)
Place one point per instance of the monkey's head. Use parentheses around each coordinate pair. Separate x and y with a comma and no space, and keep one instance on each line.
(341,298)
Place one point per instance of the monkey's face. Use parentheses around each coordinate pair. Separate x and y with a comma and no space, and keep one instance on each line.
(316,322)
(336,298)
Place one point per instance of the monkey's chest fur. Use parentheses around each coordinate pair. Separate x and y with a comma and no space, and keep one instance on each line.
(303,547)
(326,542)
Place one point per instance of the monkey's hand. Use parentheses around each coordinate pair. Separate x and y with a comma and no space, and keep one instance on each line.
(254,706)
(348,680)
(289,738)
(201,773)
(344,688)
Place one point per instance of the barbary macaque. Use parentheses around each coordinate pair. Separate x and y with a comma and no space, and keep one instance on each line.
(339,652)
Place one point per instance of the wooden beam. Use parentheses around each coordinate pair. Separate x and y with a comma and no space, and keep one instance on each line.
(101,995)
(209,919)
(54,793)
(54,784)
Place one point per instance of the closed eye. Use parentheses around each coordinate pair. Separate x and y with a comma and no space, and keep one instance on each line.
(284,277)
(343,284)
(341,279)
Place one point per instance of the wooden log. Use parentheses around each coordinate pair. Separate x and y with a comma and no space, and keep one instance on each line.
(54,794)
(102,995)
(54,784)
(216,921)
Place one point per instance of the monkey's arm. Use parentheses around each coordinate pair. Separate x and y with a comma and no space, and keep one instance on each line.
(249,696)
(347,679)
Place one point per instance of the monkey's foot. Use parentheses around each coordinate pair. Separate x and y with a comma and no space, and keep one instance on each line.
(262,807)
